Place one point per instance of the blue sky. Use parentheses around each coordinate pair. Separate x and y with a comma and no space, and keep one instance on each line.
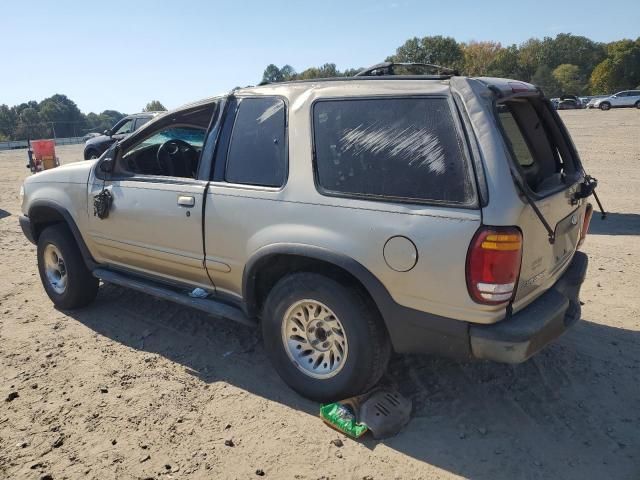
(120,55)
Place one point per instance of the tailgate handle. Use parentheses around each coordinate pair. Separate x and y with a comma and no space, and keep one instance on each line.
(186,201)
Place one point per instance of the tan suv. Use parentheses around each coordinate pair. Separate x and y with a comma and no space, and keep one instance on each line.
(346,217)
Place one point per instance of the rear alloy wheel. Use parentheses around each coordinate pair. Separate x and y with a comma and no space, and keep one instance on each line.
(325,339)
(638,104)
(314,339)
(64,275)
(605,106)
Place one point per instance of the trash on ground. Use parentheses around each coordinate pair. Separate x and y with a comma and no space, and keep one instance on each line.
(383,411)
(342,418)
(198,293)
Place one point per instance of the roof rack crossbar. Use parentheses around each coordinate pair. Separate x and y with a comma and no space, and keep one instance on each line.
(386,68)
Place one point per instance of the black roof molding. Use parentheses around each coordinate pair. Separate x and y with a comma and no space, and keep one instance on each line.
(387,68)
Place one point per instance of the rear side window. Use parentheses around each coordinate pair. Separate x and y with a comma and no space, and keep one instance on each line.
(405,149)
(536,143)
(257,152)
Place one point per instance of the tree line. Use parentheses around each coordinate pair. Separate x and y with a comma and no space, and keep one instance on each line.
(56,116)
(565,65)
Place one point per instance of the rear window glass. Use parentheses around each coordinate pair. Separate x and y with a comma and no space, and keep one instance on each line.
(536,143)
(390,148)
(518,142)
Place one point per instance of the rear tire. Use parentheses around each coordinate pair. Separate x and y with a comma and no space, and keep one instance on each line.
(64,275)
(349,345)
(638,104)
(605,106)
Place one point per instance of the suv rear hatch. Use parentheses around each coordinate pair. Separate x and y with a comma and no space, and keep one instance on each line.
(547,170)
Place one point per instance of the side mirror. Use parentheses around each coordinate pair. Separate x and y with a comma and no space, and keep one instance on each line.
(107,133)
(106,165)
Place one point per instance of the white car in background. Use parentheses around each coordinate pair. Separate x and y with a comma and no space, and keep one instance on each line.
(626,98)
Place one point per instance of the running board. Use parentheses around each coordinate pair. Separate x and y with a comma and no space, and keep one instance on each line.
(212,307)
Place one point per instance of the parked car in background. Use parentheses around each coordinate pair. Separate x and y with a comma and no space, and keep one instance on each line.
(595,99)
(569,102)
(90,135)
(626,98)
(344,217)
(95,146)
(554,102)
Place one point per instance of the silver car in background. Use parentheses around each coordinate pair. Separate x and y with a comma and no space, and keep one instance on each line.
(626,98)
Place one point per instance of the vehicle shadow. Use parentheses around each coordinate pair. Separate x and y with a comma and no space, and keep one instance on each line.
(570,412)
(4,214)
(615,224)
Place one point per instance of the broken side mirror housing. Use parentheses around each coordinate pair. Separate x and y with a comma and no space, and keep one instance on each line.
(106,165)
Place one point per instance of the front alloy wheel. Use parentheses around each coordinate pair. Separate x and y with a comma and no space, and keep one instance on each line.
(55,269)
(63,272)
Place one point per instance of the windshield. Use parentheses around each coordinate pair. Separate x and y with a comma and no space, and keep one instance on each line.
(194,137)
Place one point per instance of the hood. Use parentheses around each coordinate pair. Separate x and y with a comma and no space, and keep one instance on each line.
(77,172)
(99,140)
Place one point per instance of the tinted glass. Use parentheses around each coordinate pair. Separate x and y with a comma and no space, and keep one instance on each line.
(126,127)
(515,137)
(141,121)
(257,152)
(391,148)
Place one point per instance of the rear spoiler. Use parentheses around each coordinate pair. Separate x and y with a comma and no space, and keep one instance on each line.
(505,88)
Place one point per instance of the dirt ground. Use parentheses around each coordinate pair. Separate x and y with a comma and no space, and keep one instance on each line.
(134,387)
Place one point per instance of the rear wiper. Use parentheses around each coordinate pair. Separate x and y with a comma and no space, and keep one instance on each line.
(588,188)
(550,232)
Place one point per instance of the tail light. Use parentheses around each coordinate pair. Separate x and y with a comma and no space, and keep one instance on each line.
(493,264)
(585,223)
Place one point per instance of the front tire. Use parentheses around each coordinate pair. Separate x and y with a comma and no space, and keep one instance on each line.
(605,106)
(64,275)
(91,155)
(638,104)
(327,341)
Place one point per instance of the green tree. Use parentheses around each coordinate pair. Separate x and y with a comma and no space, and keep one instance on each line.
(566,48)
(61,114)
(569,77)
(621,69)
(478,56)
(505,63)
(544,79)
(272,74)
(288,73)
(154,106)
(7,122)
(530,57)
(437,49)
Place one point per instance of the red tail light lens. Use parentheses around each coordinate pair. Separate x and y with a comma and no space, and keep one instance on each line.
(585,223)
(493,264)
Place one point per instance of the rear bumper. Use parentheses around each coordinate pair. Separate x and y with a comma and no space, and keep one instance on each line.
(517,338)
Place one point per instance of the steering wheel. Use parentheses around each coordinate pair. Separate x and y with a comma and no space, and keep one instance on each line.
(176,152)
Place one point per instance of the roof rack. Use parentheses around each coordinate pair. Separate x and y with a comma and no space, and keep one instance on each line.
(386,68)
